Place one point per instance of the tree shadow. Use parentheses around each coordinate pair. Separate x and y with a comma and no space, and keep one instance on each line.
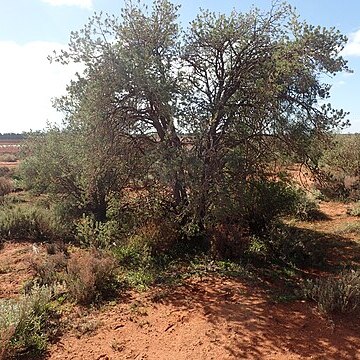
(320,250)
(257,327)
(249,326)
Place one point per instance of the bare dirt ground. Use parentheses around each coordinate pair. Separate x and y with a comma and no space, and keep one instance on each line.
(210,318)
(15,268)
(203,318)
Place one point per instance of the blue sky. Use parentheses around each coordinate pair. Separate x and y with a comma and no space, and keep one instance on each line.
(31,29)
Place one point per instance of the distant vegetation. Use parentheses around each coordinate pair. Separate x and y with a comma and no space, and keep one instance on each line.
(11,136)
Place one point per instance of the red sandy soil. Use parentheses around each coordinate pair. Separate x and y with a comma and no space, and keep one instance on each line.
(15,268)
(204,318)
(209,318)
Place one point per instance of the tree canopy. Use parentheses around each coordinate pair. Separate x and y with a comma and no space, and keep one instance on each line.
(195,116)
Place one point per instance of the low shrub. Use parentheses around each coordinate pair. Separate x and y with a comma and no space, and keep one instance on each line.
(29,222)
(6,186)
(134,255)
(23,322)
(8,157)
(95,234)
(91,276)
(306,207)
(266,202)
(86,275)
(255,205)
(335,294)
(51,269)
(294,247)
(354,210)
(140,279)
(6,172)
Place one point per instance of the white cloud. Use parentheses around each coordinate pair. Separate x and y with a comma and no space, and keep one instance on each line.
(86,4)
(28,82)
(352,48)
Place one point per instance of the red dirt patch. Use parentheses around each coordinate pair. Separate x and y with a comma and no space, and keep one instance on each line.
(14,267)
(209,318)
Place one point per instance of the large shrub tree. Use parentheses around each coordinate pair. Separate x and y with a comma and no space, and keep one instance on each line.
(201,112)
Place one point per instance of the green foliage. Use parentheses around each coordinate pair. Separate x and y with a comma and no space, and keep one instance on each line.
(21,222)
(289,246)
(188,121)
(339,293)
(203,265)
(23,322)
(354,210)
(343,155)
(306,207)
(140,279)
(8,157)
(91,233)
(256,204)
(134,255)
(266,201)
(340,164)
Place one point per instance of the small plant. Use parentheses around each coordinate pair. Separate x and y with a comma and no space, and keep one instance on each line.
(354,210)
(87,275)
(8,157)
(23,322)
(295,247)
(306,207)
(91,233)
(335,294)
(134,255)
(349,228)
(90,276)
(50,270)
(6,186)
(140,279)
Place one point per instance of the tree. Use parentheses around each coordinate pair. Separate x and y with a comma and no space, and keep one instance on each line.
(203,111)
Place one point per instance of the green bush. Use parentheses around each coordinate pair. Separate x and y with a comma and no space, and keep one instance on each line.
(134,255)
(29,222)
(340,168)
(91,233)
(23,322)
(8,157)
(354,210)
(256,204)
(335,294)
(306,207)
(293,246)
